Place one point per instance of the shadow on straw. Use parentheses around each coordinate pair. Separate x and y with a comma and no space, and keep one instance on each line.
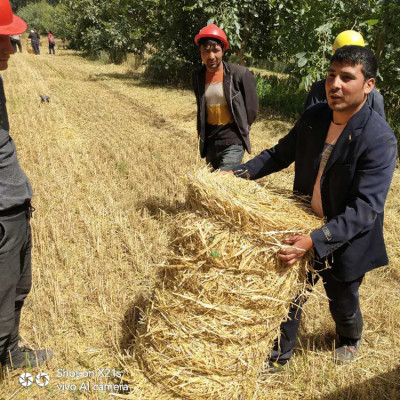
(132,322)
(158,207)
(383,386)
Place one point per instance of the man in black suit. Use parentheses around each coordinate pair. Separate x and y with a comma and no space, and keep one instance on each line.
(345,155)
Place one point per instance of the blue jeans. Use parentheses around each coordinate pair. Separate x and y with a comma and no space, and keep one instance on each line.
(35,46)
(224,157)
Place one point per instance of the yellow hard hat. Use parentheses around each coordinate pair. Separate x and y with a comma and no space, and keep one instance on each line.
(348,38)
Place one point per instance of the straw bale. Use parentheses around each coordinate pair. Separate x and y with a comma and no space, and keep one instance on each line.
(223,292)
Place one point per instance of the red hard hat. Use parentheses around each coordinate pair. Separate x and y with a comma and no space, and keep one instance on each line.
(10,24)
(213,32)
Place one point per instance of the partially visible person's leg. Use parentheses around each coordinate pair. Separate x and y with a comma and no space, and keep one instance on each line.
(283,346)
(211,155)
(19,46)
(15,272)
(230,157)
(23,286)
(14,44)
(10,272)
(36,47)
(345,309)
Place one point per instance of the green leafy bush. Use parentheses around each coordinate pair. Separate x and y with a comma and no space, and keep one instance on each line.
(280,94)
(165,67)
(40,16)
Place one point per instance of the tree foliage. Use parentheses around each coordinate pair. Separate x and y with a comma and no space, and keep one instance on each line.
(297,33)
(40,16)
(114,26)
(306,30)
(18,4)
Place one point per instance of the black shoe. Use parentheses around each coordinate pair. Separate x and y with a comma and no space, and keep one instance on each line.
(346,353)
(22,357)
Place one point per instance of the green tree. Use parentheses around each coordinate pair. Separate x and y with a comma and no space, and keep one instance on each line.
(306,30)
(40,16)
(297,33)
(177,22)
(18,4)
(114,26)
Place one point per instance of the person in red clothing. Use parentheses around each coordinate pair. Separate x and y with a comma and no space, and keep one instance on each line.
(52,43)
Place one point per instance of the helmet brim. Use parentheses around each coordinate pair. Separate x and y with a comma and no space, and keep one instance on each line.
(17,27)
(211,36)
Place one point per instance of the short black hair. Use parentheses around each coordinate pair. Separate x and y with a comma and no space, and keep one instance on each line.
(206,41)
(354,55)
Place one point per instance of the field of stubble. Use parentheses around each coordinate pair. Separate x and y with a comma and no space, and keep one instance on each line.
(105,158)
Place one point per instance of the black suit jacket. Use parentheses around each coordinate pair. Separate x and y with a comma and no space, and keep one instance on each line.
(241,95)
(354,184)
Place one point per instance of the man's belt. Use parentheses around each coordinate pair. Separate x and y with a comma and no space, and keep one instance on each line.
(16,210)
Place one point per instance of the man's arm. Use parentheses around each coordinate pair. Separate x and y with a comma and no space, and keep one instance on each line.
(368,195)
(248,87)
(271,160)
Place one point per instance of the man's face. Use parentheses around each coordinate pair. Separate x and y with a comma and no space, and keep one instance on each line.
(345,87)
(6,50)
(212,57)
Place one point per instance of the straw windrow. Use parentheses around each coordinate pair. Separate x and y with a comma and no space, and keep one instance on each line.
(223,293)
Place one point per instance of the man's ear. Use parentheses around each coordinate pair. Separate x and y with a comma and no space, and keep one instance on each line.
(369,85)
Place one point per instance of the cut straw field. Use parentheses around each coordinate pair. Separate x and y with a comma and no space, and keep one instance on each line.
(106,159)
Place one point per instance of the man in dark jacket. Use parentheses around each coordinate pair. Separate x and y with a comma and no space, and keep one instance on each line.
(35,40)
(15,230)
(317,93)
(345,155)
(227,102)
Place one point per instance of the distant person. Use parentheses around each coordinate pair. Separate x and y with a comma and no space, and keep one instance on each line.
(317,93)
(52,43)
(35,40)
(227,102)
(16,42)
(15,230)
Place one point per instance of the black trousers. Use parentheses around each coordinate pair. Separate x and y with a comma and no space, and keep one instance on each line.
(344,307)
(15,276)
(35,46)
(16,43)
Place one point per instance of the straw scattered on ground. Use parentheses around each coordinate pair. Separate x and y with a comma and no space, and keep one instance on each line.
(105,158)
